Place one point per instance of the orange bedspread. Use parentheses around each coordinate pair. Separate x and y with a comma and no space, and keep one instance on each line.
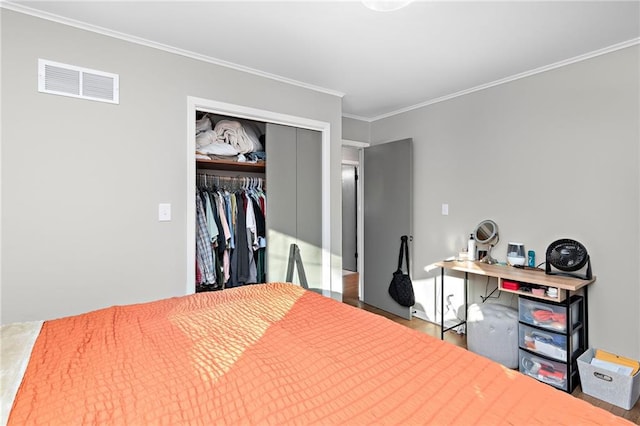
(270,354)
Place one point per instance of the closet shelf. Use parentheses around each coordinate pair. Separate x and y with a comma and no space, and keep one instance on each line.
(231,165)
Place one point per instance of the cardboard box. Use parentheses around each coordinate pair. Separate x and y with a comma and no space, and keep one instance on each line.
(619,390)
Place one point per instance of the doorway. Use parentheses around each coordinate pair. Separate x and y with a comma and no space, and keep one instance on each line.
(350,276)
(352,234)
(349,217)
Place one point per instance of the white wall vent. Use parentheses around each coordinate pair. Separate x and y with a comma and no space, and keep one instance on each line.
(77,82)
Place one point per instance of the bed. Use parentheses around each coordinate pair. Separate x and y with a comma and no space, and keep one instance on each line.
(262,354)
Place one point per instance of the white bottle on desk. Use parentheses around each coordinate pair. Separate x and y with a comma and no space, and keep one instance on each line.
(471,249)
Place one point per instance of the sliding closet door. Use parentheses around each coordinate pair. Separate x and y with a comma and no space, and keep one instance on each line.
(281,198)
(294,206)
(309,203)
(387,175)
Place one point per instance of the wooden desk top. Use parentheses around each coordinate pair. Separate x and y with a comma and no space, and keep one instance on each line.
(516,274)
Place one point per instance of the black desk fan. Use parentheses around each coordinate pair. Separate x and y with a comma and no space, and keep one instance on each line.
(568,257)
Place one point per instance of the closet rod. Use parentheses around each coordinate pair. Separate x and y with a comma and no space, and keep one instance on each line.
(236,182)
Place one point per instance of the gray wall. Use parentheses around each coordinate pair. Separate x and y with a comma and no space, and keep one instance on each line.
(81,180)
(351,154)
(555,155)
(356,130)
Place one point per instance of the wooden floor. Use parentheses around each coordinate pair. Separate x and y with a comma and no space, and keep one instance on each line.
(350,297)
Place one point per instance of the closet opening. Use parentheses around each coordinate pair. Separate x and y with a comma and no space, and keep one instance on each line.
(253,174)
(231,201)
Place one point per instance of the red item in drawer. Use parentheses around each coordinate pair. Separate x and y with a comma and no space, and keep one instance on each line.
(510,285)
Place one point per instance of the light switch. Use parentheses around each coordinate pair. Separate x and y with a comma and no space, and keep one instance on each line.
(164,212)
(445,209)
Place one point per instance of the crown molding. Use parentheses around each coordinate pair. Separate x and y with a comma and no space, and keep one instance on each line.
(509,79)
(170,49)
(356,117)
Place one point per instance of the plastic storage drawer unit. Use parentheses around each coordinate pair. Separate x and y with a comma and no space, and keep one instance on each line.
(547,343)
(544,370)
(551,316)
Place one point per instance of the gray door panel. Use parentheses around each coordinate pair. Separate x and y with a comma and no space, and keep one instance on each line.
(281,198)
(387,177)
(309,204)
(294,201)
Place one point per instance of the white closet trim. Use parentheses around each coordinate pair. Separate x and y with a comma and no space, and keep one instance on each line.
(240,111)
(355,144)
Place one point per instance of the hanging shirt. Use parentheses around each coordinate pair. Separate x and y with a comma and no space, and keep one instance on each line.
(229,216)
(227,238)
(260,224)
(221,245)
(203,244)
(240,259)
(251,222)
(252,237)
(211,222)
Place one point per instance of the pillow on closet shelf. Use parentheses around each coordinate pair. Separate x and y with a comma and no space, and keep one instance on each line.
(206,138)
(218,148)
(203,125)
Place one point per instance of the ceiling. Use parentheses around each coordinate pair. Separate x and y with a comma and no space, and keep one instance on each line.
(382,62)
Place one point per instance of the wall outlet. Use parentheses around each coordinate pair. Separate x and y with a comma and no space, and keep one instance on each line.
(445,209)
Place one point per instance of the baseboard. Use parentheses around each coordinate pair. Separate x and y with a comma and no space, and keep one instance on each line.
(423,316)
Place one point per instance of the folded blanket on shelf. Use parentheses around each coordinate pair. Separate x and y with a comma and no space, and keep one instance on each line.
(234,134)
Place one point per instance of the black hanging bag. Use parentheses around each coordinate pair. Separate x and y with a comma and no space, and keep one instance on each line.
(401,287)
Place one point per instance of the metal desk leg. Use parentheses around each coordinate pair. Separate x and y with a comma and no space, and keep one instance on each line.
(466,303)
(466,298)
(569,330)
(441,303)
(585,301)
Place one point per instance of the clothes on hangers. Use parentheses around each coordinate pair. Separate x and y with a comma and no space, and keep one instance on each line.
(232,219)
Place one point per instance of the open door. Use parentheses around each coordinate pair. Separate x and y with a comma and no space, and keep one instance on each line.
(387,175)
